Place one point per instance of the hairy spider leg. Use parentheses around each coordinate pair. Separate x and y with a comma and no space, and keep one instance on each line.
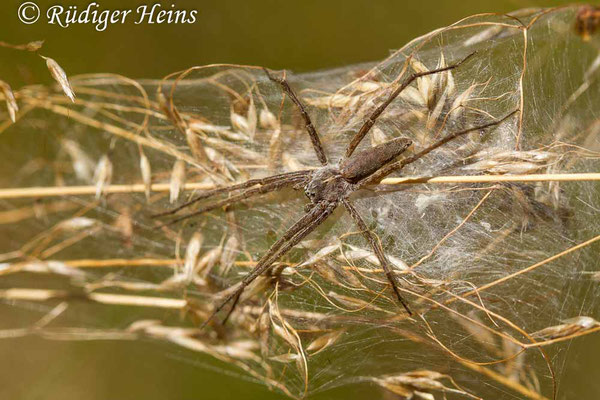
(270,187)
(368,124)
(298,231)
(378,250)
(398,165)
(228,189)
(312,132)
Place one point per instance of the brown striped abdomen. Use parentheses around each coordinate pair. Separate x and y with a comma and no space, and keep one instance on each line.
(363,163)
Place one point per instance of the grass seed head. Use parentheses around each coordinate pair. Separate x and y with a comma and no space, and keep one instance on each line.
(192,255)
(103,175)
(146,171)
(177,181)
(11,102)
(60,76)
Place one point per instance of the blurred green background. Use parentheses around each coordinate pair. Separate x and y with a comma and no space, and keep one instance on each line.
(297,35)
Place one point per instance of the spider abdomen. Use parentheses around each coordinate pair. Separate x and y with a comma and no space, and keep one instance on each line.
(364,163)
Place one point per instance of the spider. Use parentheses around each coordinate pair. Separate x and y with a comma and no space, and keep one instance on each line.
(327,186)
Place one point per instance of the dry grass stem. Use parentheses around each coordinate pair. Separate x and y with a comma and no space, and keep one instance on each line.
(29,192)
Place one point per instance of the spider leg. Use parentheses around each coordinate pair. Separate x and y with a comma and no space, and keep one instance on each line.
(368,124)
(378,250)
(310,128)
(398,165)
(228,189)
(270,187)
(305,225)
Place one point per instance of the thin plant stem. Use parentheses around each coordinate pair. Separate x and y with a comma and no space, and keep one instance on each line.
(53,191)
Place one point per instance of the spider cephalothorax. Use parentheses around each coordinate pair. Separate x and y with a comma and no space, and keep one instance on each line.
(327,186)
(335,182)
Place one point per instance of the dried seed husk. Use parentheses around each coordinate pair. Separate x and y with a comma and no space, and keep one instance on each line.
(195,144)
(11,102)
(77,224)
(479,333)
(241,350)
(352,302)
(229,254)
(124,225)
(568,328)
(83,166)
(239,122)
(208,261)
(34,45)
(177,181)
(60,76)
(285,358)
(103,175)
(146,171)
(324,341)
(31,46)
(192,253)
(252,119)
(335,101)
(268,120)
(275,149)
(321,254)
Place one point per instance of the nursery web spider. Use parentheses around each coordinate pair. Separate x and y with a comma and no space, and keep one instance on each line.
(327,186)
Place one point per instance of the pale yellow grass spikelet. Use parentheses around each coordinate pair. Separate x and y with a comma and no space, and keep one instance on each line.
(83,166)
(239,122)
(31,46)
(177,180)
(357,253)
(229,254)
(252,119)
(77,223)
(195,144)
(460,101)
(11,102)
(321,254)
(324,341)
(424,83)
(34,46)
(208,261)
(569,327)
(268,120)
(378,136)
(352,303)
(60,76)
(221,162)
(285,358)
(146,171)
(103,175)
(124,225)
(192,253)
(419,384)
